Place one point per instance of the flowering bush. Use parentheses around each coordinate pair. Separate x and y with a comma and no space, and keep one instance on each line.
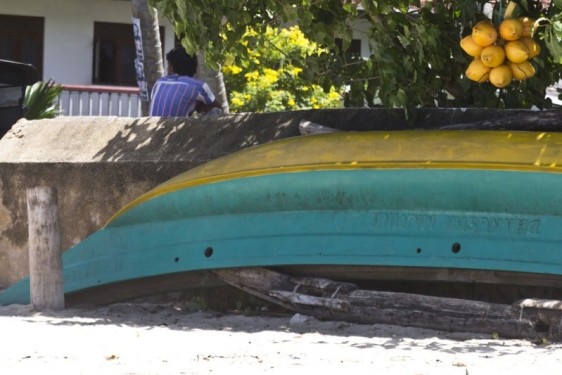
(271,79)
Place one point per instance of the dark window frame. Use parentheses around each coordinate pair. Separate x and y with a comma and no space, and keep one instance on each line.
(118,40)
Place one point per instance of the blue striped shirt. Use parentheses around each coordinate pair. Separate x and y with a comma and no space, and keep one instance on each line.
(176,96)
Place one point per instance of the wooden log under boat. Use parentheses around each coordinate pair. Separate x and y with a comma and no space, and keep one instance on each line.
(323,298)
(456,200)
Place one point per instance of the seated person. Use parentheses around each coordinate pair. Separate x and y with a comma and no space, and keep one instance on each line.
(179,94)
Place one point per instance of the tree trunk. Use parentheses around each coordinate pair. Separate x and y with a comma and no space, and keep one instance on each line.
(215,80)
(327,299)
(152,48)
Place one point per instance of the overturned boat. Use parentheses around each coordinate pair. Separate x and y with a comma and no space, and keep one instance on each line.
(469,206)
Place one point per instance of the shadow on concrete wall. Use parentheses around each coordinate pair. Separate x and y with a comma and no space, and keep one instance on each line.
(195,140)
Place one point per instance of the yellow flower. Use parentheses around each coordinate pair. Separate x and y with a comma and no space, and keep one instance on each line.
(291,102)
(232,69)
(236,102)
(250,32)
(333,95)
(252,76)
(296,71)
(270,76)
(254,53)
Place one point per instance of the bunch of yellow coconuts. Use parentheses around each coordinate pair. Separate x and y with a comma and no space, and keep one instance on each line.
(501,54)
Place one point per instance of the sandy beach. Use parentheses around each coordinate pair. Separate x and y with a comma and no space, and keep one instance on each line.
(168,338)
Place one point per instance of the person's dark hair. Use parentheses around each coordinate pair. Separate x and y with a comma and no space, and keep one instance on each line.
(182,63)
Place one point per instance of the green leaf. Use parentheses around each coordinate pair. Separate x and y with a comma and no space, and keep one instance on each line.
(181,8)
(553,43)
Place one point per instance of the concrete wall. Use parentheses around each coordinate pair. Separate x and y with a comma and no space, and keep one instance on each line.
(69,32)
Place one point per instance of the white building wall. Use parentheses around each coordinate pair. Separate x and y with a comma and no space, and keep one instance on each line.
(361,31)
(69,32)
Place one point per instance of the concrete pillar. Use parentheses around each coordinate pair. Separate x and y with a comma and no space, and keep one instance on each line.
(45,259)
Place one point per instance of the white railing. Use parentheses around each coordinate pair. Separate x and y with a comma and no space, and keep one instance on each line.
(78,100)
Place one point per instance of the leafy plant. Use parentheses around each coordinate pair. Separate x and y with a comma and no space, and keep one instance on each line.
(553,34)
(272,79)
(40,100)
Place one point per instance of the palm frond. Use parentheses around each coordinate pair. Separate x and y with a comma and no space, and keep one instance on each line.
(40,100)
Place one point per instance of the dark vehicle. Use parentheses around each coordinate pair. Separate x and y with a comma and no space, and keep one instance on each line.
(14,77)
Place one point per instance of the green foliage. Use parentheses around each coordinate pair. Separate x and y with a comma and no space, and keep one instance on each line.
(40,100)
(272,78)
(553,35)
(415,61)
(420,63)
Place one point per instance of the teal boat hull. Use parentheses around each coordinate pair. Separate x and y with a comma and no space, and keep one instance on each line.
(491,219)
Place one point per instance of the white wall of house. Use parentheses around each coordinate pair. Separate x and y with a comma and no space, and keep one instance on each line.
(69,32)
(361,31)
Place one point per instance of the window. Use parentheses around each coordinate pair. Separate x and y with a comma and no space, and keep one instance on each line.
(114,54)
(353,51)
(21,40)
